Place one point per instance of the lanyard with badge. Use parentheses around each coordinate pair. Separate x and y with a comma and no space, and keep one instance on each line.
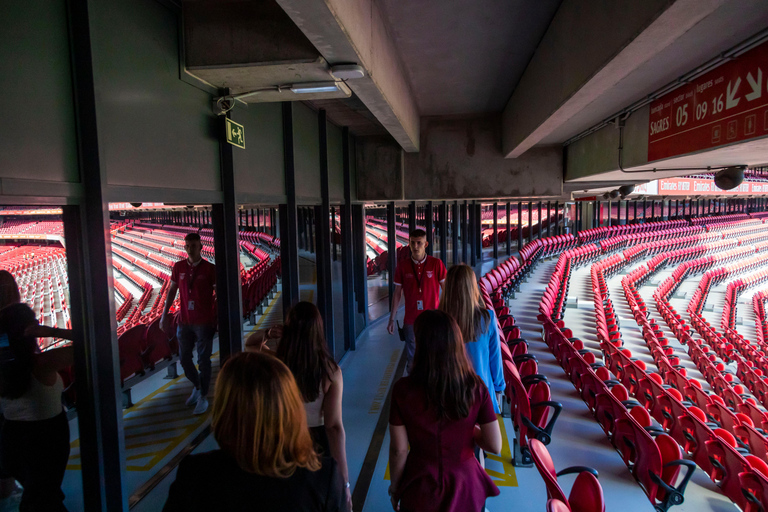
(420,302)
(191,286)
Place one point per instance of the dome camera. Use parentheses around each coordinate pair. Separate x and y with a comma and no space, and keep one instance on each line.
(730,177)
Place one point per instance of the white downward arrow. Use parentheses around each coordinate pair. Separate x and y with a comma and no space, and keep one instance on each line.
(756,86)
(730,99)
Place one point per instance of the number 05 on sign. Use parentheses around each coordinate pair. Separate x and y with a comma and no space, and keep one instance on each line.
(235,134)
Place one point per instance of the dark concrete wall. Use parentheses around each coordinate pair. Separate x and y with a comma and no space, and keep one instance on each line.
(460,158)
(154,129)
(335,164)
(599,152)
(307,156)
(259,168)
(379,169)
(220,33)
(37,135)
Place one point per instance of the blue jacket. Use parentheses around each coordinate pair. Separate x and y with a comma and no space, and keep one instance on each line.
(485,354)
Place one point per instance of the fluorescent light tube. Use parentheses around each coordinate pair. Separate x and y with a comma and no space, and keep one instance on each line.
(315,87)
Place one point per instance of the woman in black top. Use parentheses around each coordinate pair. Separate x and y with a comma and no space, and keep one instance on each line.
(266,461)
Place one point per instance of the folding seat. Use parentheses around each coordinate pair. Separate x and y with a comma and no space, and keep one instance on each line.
(726,463)
(131,348)
(157,346)
(656,462)
(754,484)
(749,437)
(696,432)
(534,414)
(586,494)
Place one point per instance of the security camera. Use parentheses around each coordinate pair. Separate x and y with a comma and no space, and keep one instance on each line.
(613,194)
(222,105)
(730,177)
(626,190)
(136,205)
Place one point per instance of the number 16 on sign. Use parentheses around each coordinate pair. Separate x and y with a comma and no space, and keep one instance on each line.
(235,134)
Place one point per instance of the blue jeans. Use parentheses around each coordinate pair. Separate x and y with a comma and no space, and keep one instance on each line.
(410,347)
(200,336)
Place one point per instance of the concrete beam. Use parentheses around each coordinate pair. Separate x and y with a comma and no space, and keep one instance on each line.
(595,158)
(588,49)
(354,31)
(460,158)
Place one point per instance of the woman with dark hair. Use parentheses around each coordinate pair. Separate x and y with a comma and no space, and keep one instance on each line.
(442,409)
(266,461)
(303,349)
(478,326)
(34,444)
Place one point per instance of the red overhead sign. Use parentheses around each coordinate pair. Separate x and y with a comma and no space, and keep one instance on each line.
(726,105)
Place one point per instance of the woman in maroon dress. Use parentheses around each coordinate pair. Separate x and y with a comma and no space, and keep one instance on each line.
(442,409)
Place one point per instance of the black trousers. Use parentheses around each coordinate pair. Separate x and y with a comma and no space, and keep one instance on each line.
(36,453)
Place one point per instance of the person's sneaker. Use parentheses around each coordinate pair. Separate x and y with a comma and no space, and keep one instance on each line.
(202,405)
(193,398)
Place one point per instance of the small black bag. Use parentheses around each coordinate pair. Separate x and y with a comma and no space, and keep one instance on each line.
(401,332)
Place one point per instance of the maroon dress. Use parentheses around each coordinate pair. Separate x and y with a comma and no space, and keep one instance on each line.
(441,473)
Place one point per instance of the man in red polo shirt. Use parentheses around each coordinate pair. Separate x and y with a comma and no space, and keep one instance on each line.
(195,278)
(420,278)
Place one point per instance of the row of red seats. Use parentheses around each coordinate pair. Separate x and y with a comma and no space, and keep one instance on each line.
(667,406)
(732,293)
(720,219)
(714,447)
(527,392)
(758,306)
(258,284)
(612,339)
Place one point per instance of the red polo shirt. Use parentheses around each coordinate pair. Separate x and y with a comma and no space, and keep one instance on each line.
(421,284)
(196,284)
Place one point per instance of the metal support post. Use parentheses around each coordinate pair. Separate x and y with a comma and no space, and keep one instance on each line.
(323,238)
(96,358)
(392,250)
(519,225)
(456,225)
(495,231)
(443,222)
(430,227)
(509,230)
(289,237)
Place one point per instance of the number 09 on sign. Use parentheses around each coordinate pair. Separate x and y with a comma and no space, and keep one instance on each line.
(235,134)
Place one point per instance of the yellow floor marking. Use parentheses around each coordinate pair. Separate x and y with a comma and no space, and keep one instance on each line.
(185,430)
(508,478)
(266,312)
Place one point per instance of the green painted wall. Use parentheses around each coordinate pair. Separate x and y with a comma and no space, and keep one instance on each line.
(306,154)
(259,176)
(155,130)
(37,134)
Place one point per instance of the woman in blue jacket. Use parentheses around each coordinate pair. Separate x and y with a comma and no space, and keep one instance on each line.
(461,300)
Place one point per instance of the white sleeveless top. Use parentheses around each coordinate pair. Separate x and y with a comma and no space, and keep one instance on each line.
(40,402)
(315,410)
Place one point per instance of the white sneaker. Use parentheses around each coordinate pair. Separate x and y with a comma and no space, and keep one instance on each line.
(202,405)
(193,398)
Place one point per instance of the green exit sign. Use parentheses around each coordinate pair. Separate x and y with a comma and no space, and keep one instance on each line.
(235,134)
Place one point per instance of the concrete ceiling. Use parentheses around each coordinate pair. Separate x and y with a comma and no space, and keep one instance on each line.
(466,57)
(729,25)
(752,153)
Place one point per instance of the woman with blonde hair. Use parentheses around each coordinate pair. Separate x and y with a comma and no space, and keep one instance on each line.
(266,459)
(478,325)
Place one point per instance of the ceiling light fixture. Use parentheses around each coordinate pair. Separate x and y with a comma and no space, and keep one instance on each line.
(347,71)
(315,87)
